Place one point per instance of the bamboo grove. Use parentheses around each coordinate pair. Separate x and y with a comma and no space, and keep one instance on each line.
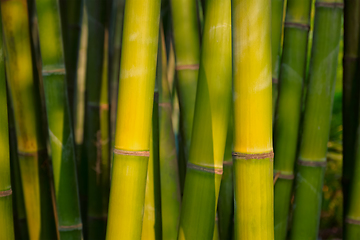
(178,119)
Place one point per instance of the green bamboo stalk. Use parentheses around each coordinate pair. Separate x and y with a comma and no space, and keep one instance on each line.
(350,91)
(226,194)
(59,119)
(133,122)
(82,166)
(316,123)
(6,209)
(115,30)
(277,16)
(352,216)
(96,145)
(20,225)
(169,174)
(287,120)
(253,152)
(25,97)
(152,222)
(187,53)
(205,166)
(71,17)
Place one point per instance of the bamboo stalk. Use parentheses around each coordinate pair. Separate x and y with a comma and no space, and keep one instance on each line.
(169,174)
(115,30)
(152,222)
(288,113)
(253,167)
(20,225)
(79,115)
(226,194)
(205,166)
(133,123)
(96,138)
(59,119)
(352,216)
(316,123)
(277,16)
(6,204)
(187,53)
(25,97)
(71,18)
(350,92)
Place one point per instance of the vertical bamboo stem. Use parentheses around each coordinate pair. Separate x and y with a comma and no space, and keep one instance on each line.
(316,123)
(169,174)
(31,145)
(133,123)
(350,91)
(6,209)
(59,119)
(71,18)
(287,120)
(187,52)
(211,117)
(226,194)
(253,166)
(277,16)
(96,142)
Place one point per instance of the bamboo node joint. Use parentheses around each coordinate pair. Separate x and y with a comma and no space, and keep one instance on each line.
(312,163)
(6,193)
(132,153)
(246,156)
(71,227)
(187,67)
(205,169)
(329,4)
(302,26)
(352,221)
(275,80)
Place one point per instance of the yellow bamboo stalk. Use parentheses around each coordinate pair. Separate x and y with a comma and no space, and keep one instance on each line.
(253,166)
(133,123)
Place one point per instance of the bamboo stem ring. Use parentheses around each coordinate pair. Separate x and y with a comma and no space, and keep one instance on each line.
(246,156)
(227,163)
(312,163)
(302,26)
(58,71)
(132,153)
(6,193)
(352,221)
(33,154)
(187,67)
(205,169)
(71,227)
(98,105)
(329,4)
(283,176)
(275,80)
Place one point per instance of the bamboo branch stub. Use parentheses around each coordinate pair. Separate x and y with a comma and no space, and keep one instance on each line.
(302,26)
(132,153)
(6,193)
(205,169)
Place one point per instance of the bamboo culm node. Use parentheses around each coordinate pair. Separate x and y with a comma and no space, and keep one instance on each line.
(312,163)
(352,221)
(132,153)
(205,169)
(187,67)
(6,193)
(302,26)
(329,4)
(237,155)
